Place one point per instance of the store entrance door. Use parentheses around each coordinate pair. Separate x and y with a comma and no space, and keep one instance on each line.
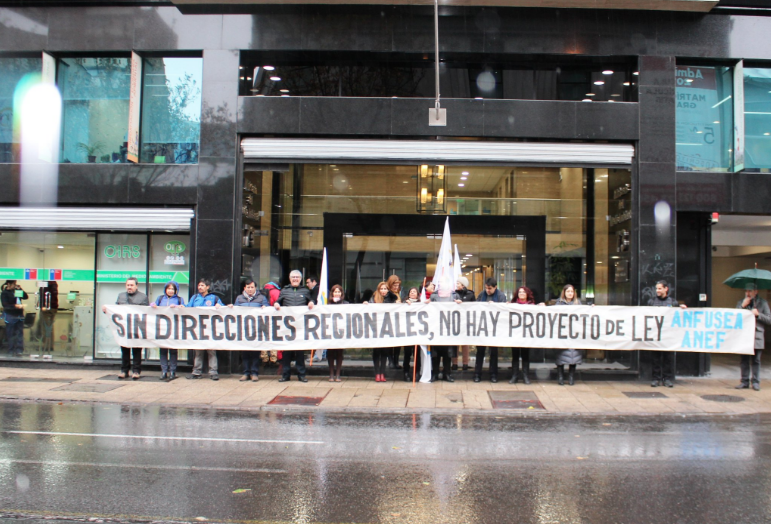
(364,249)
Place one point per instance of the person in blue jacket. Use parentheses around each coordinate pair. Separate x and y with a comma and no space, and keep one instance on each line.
(204,299)
(170,298)
(251,298)
(490,294)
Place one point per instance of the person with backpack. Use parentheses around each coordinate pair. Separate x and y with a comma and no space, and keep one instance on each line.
(169,298)
(271,291)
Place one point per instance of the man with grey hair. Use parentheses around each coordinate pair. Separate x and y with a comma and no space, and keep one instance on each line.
(295,294)
(760,309)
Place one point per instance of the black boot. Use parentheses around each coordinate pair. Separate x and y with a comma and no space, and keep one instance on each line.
(407,375)
(526,372)
(572,374)
(514,372)
(561,375)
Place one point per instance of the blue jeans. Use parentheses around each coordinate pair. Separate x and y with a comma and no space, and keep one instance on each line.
(165,354)
(299,361)
(14,333)
(251,361)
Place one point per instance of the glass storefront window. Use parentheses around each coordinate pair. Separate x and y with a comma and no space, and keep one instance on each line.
(119,256)
(704,115)
(95,105)
(587,213)
(757,119)
(57,272)
(171,110)
(12,71)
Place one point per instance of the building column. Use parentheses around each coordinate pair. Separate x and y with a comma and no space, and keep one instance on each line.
(656,187)
(216,211)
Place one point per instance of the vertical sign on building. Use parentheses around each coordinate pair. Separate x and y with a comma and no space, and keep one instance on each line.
(739,116)
(134,107)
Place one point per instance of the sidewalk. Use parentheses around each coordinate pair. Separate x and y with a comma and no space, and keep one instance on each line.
(609,397)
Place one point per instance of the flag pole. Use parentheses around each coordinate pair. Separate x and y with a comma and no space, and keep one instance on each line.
(414,364)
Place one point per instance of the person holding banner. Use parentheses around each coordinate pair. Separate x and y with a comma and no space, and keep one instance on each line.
(663,361)
(133,297)
(394,284)
(204,299)
(490,294)
(250,359)
(380,355)
(335,356)
(443,294)
(760,309)
(523,296)
(568,357)
(466,295)
(413,297)
(292,295)
(170,298)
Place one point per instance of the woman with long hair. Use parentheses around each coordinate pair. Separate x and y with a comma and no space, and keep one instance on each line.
(524,295)
(569,357)
(394,284)
(335,356)
(413,297)
(382,295)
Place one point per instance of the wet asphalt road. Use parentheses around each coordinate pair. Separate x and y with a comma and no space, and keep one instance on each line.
(181,464)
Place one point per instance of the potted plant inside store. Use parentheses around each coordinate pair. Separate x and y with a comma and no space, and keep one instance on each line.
(90,150)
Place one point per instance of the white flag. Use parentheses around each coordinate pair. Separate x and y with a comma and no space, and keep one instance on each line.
(323,281)
(443,273)
(456,271)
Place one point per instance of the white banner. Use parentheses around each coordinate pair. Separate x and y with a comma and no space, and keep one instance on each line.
(482,323)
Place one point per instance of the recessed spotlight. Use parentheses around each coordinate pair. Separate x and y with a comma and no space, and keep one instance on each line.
(62,247)
(405,182)
(461,185)
(627,84)
(716,122)
(464,172)
(589,94)
(766,134)
(607,72)
(469,255)
(285,95)
(464,178)
(611,100)
(586,100)
(276,78)
(268,68)
(615,94)
(248,77)
(636,73)
(599,82)
(284,90)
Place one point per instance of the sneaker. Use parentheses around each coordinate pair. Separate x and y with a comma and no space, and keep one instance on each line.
(303,379)
(284,379)
(172,376)
(494,379)
(192,377)
(669,383)
(164,376)
(477,378)
(215,377)
(756,386)
(655,383)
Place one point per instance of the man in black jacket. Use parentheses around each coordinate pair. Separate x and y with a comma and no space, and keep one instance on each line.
(663,361)
(295,294)
(490,294)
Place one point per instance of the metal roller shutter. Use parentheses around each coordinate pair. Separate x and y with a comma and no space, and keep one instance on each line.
(96,218)
(427,151)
